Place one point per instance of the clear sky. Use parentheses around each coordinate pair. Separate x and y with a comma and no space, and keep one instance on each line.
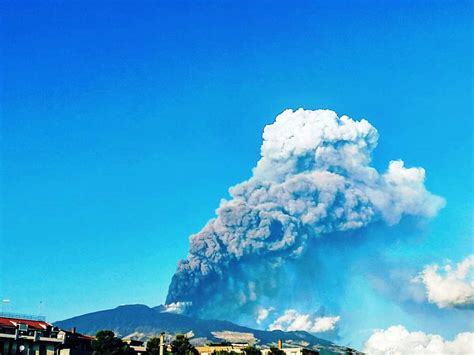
(123,124)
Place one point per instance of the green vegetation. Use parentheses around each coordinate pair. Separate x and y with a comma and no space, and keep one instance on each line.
(181,346)
(251,350)
(106,343)
(153,346)
(276,351)
(224,352)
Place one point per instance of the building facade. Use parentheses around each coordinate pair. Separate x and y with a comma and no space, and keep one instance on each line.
(23,335)
(216,348)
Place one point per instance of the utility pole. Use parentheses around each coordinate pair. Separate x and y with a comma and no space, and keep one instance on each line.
(162,343)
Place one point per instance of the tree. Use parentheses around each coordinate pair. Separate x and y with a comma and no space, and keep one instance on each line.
(106,343)
(153,346)
(224,352)
(181,346)
(251,350)
(276,351)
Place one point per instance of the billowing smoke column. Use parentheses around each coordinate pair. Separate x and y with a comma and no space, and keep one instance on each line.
(313,181)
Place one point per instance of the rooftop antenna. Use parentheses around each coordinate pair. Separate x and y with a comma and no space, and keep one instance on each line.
(40,308)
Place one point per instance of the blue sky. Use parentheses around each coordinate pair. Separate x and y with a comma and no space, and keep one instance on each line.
(124,123)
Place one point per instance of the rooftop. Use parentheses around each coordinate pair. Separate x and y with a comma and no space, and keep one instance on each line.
(33,324)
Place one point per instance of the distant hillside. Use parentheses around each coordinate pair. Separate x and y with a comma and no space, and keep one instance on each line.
(142,322)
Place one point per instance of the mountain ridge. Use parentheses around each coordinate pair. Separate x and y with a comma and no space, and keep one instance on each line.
(142,322)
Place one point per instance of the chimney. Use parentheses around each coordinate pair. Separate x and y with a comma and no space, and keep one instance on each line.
(73,330)
(280,344)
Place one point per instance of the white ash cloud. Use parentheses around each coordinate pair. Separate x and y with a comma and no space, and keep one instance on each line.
(397,340)
(313,180)
(262,314)
(449,286)
(291,320)
(175,307)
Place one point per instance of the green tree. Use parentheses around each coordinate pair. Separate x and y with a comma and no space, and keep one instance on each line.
(153,346)
(276,351)
(224,352)
(181,346)
(251,350)
(106,343)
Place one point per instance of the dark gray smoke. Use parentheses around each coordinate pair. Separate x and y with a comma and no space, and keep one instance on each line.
(312,185)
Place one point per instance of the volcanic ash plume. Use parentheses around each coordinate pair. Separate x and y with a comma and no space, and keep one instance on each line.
(313,181)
